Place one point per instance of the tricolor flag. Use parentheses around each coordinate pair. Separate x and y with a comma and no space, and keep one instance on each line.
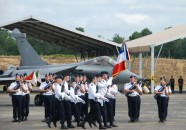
(32,78)
(38,76)
(120,63)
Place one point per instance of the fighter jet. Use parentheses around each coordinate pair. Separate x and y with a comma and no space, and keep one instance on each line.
(31,61)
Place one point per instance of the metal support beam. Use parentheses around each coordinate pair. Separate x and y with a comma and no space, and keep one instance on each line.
(152,68)
(158,55)
(129,65)
(140,64)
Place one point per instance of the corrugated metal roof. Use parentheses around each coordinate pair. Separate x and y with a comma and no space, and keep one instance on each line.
(143,44)
(72,39)
(79,41)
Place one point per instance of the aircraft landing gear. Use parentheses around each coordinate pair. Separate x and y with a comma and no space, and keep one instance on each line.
(38,100)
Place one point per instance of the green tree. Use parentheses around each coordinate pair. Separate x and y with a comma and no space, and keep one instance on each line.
(146,32)
(135,35)
(118,39)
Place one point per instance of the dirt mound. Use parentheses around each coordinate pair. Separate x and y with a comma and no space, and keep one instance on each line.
(164,67)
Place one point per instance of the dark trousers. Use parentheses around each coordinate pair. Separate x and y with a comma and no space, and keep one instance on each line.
(75,111)
(138,106)
(162,105)
(172,87)
(27,102)
(48,103)
(68,112)
(82,106)
(132,107)
(23,109)
(17,106)
(86,104)
(104,113)
(110,113)
(59,112)
(114,108)
(167,104)
(180,88)
(95,112)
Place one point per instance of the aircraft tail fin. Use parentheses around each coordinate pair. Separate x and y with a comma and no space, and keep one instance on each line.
(29,56)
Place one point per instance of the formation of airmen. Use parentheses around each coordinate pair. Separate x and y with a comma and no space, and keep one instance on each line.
(88,102)
(64,98)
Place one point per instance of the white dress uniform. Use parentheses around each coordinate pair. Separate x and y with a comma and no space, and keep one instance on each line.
(48,100)
(161,102)
(27,99)
(16,101)
(133,102)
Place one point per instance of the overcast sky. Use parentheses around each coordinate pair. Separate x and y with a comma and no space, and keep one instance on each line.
(100,17)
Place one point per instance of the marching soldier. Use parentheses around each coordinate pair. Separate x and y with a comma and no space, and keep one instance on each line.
(74,105)
(67,102)
(16,93)
(132,91)
(59,103)
(46,88)
(28,88)
(161,92)
(85,83)
(95,111)
(102,89)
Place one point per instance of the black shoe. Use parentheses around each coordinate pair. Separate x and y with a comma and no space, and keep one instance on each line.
(102,127)
(22,119)
(14,120)
(64,127)
(71,126)
(44,120)
(78,124)
(131,120)
(82,124)
(90,123)
(94,123)
(55,123)
(107,126)
(26,118)
(48,123)
(114,125)
(19,120)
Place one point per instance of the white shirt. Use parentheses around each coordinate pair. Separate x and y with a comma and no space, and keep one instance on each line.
(42,86)
(158,87)
(27,86)
(102,87)
(79,92)
(66,90)
(11,87)
(58,92)
(92,91)
(127,86)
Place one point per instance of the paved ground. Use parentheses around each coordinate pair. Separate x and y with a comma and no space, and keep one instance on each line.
(148,119)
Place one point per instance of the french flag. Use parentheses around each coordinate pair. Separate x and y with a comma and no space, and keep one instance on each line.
(120,63)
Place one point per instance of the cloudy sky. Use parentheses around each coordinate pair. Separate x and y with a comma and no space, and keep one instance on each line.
(100,17)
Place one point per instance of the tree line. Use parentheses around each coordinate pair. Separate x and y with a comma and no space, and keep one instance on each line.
(175,49)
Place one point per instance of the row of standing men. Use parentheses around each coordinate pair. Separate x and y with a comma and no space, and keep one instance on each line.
(64,98)
(20,93)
